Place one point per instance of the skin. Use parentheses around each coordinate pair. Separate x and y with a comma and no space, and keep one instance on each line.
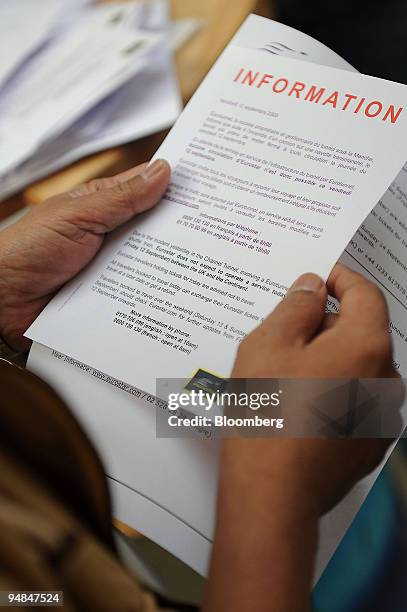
(57,239)
(272,492)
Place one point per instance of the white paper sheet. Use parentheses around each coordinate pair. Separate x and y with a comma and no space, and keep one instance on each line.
(148,103)
(165,488)
(116,420)
(93,59)
(18,38)
(170,484)
(238,224)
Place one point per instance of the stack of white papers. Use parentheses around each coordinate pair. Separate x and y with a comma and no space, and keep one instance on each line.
(91,77)
(19,40)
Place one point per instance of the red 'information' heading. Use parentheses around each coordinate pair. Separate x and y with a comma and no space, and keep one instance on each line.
(372,109)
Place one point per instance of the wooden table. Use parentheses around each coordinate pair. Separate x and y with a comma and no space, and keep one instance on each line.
(221,19)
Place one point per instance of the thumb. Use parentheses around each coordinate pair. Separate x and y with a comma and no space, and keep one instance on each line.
(104,210)
(298,316)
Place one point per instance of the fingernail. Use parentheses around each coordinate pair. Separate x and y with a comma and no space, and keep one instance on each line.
(307,282)
(153,169)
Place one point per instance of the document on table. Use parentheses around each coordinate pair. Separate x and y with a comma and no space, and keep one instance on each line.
(276,163)
(98,55)
(150,101)
(18,38)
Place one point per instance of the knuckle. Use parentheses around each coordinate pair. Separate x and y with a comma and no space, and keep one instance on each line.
(127,192)
(123,193)
(93,186)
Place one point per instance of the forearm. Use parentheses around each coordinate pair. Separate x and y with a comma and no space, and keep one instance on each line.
(264,548)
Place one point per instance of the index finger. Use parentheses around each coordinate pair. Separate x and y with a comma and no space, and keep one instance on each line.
(361,301)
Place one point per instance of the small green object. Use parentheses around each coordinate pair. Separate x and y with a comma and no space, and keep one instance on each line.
(134,47)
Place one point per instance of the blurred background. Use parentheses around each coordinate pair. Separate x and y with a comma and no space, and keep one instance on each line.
(369,34)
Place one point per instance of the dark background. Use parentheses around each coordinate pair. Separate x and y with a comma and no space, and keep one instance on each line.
(369,34)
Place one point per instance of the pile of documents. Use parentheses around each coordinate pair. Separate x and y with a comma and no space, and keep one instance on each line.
(85,78)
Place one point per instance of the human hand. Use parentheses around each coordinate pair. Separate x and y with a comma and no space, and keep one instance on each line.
(298,340)
(272,491)
(58,238)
